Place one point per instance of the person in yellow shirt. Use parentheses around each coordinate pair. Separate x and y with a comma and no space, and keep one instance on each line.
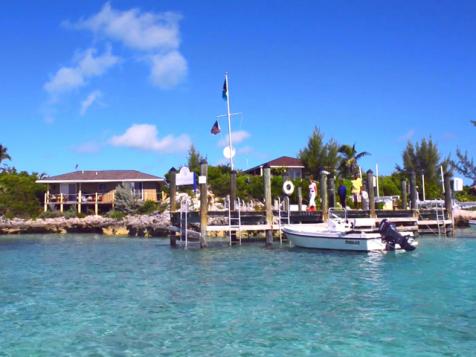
(356,185)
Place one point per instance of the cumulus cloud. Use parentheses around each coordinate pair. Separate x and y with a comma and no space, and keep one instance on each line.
(89,100)
(236,137)
(145,137)
(86,65)
(168,70)
(145,31)
(155,35)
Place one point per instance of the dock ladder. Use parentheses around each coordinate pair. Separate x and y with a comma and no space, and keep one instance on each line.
(284,215)
(234,221)
(440,220)
(185,204)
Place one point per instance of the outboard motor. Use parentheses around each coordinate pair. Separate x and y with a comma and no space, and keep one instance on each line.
(391,237)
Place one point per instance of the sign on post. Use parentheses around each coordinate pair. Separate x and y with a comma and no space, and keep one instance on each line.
(184,177)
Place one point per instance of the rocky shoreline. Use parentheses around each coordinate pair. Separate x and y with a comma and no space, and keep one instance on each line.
(156,225)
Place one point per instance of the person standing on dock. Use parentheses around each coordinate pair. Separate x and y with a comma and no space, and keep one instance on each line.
(365,198)
(356,185)
(312,194)
(342,192)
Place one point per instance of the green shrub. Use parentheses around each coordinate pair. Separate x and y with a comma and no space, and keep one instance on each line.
(148,207)
(115,214)
(50,214)
(20,195)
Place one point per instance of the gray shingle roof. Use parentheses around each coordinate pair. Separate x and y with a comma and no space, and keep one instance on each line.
(102,176)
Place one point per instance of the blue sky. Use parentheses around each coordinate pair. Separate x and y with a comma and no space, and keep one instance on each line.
(130,84)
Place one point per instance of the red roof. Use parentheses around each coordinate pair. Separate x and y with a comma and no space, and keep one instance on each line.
(102,176)
(283,161)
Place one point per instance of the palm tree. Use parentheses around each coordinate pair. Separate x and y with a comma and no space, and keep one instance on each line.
(349,157)
(3,154)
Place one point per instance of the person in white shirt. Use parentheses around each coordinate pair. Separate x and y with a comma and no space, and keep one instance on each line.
(312,193)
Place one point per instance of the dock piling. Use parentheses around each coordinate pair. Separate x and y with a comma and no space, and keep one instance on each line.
(299,193)
(268,205)
(413,192)
(448,199)
(173,204)
(324,198)
(331,184)
(404,194)
(370,191)
(203,203)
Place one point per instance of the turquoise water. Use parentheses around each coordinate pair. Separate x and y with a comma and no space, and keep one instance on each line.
(85,295)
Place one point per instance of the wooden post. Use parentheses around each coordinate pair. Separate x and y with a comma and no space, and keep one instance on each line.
(413,192)
(45,208)
(331,190)
(268,204)
(404,194)
(172,189)
(233,199)
(61,202)
(324,199)
(448,196)
(173,204)
(203,203)
(79,198)
(299,192)
(370,191)
(96,205)
(232,189)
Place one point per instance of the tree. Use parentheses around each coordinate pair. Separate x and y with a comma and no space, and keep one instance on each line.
(348,160)
(465,164)
(424,159)
(4,154)
(124,199)
(20,195)
(317,155)
(194,159)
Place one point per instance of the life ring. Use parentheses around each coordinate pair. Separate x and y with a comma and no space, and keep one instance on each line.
(288,187)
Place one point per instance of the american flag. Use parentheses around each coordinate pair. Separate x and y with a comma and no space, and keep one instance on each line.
(215,128)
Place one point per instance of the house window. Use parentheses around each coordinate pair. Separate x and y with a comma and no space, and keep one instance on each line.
(137,190)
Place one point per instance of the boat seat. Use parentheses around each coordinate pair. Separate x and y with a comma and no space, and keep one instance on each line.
(363,222)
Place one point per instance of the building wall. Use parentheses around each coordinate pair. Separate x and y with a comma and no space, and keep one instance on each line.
(106,191)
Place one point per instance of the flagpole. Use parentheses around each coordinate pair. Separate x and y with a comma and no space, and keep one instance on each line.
(229,119)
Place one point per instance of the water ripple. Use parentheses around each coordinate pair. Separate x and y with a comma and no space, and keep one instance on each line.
(85,295)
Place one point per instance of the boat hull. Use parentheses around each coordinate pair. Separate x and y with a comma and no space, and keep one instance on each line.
(317,237)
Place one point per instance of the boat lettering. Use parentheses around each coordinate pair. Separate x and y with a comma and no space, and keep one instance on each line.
(350,241)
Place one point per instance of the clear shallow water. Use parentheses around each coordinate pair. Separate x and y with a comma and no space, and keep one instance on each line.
(85,295)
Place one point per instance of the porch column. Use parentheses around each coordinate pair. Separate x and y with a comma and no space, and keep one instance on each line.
(79,198)
(47,197)
(61,202)
(96,208)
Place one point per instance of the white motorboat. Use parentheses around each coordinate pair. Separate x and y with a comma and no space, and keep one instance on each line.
(337,234)
(472,223)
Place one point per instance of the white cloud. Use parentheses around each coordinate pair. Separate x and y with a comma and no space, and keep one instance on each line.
(144,137)
(90,99)
(87,148)
(157,35)
(168,70)
(236,137)
(407,136)
(86,65)
(145,31)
